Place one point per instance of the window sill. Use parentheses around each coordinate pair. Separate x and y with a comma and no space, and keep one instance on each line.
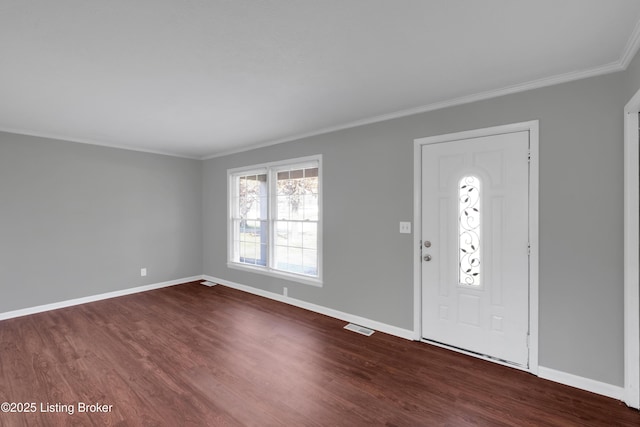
(306,280)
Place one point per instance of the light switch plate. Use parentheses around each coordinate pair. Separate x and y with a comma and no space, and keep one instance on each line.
(405,227)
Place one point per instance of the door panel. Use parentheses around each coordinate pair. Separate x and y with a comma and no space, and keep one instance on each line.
(475,215)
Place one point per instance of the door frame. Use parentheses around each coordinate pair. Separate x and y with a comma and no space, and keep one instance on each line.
(631,253)
(533,128)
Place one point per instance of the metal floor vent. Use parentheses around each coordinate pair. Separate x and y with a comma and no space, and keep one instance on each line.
(359,329)
(208,283)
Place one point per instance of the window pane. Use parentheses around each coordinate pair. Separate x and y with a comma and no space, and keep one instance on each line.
(283,175)
(310,235)
(311,172)
(310,207)
(284,207)
(469,231)
(252,196)
(282,233)
(296,247)
(295,234)
(252,242)
(293,189)
(289,259)
(310,262)
(295,260)
(281,257)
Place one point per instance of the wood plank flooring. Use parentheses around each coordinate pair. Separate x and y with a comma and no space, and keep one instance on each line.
(190,355)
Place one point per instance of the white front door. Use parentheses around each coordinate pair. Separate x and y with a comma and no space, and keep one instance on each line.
(475,236)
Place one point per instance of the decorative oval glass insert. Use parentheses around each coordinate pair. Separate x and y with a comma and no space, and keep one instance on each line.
(469,231)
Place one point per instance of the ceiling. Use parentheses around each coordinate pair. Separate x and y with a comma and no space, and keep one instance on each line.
(199,78)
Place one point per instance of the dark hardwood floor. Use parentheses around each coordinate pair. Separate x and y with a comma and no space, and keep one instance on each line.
(193,355)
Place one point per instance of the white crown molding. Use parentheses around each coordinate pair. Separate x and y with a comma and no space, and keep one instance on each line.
(92,142)
(631,48)
(629,52)
(480,96)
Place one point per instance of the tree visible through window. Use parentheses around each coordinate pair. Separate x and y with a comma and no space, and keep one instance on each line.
(252,206)
(275,217)
(296,227)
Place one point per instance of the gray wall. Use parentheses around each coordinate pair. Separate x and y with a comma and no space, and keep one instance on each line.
(368,189)
(632,78)
(79,220)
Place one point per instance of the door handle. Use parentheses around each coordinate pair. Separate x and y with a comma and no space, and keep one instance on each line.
(427,257)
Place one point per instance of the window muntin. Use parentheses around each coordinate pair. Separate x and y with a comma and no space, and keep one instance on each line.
(249,219)
(275,213)
(296,220)
(469,231)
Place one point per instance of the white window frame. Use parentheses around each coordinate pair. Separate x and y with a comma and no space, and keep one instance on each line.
(271,170)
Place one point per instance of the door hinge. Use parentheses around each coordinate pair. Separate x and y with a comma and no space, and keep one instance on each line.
(528,339)
(528,248)
(529,156)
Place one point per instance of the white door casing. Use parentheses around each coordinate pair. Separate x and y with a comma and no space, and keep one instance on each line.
(631,253)
(490,309)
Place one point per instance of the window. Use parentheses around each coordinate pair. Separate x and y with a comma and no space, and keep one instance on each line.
(469,231)
(275,219)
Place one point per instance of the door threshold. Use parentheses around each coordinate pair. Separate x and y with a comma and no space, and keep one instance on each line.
(477,355)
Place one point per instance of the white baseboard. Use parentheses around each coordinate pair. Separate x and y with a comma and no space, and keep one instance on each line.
(362,321)
(609,390)
(582,383)
(84,300)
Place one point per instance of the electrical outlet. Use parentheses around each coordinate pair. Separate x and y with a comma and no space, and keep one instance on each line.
(143,272)
(285,291)
(405,227)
